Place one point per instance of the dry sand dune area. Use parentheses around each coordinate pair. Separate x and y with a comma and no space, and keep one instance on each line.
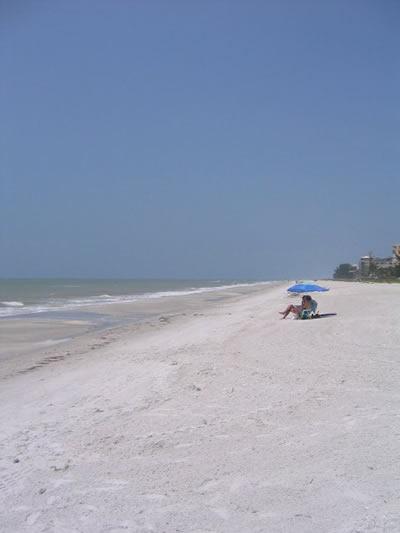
(227,420)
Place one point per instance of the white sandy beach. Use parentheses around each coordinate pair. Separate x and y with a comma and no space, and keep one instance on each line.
(221,420)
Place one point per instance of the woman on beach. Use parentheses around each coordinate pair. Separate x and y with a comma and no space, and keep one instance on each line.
(307,308)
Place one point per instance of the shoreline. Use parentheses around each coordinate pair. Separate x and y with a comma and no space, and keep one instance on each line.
(226,419)
(68,296)
(28,340)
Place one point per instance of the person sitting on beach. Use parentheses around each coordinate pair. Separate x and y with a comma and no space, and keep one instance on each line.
(307,309)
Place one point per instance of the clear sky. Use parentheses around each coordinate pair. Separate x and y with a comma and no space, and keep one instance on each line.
(240,139)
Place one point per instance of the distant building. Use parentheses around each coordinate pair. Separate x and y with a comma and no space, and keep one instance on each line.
(376,267)
(383,262)
(396,253)
(354,270)
(370,266)
(365,266)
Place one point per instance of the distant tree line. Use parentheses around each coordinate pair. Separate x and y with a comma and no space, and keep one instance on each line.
(344,271)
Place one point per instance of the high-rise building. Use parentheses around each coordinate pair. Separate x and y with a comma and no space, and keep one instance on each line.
(396,253)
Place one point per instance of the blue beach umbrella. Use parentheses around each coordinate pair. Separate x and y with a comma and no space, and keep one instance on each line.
(306,287)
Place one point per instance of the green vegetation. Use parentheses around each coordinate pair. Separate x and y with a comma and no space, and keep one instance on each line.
(344,271)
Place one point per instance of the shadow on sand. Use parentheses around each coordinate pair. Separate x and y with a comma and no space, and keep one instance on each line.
(325,315)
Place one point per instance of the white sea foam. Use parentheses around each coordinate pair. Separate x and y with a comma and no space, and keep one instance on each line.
(12,304)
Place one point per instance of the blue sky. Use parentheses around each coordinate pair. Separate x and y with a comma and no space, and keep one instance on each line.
(254,139)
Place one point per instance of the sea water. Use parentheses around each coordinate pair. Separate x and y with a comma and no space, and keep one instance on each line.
(26,297)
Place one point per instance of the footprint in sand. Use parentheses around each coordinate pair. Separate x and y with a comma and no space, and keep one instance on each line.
(10,481)
(32,518)
(207,485)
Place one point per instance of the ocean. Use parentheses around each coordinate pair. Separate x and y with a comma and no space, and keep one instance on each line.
(26,297)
